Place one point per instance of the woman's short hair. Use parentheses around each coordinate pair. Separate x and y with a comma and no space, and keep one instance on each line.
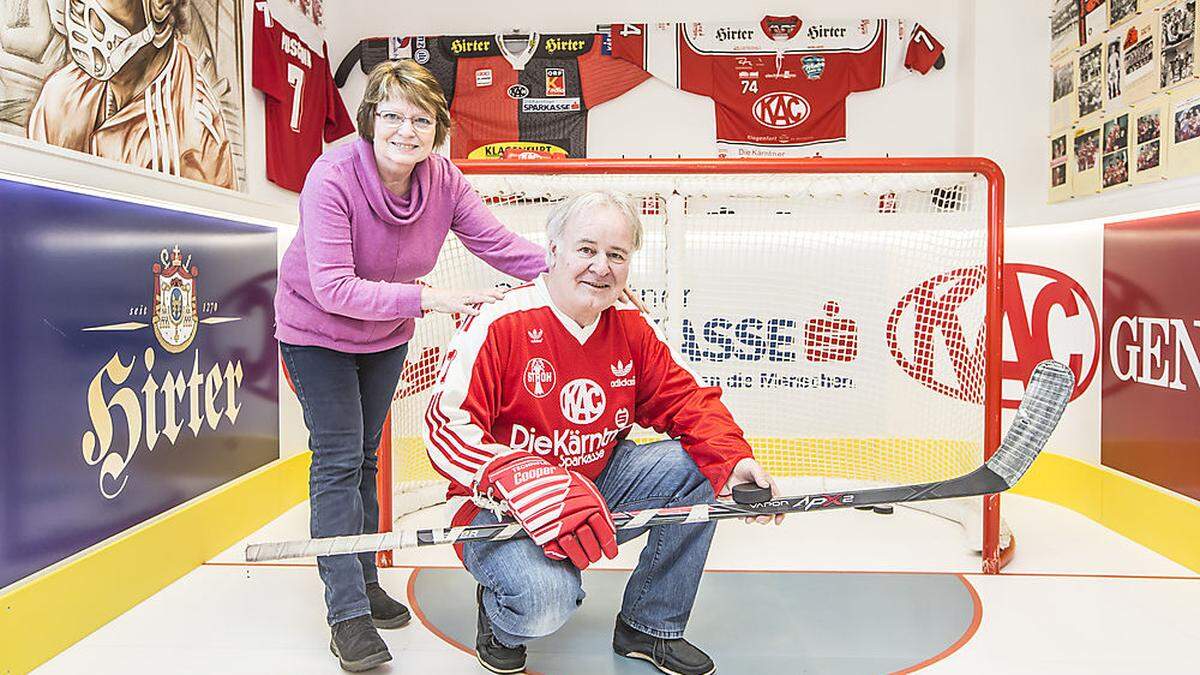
(403,80)
(566,211)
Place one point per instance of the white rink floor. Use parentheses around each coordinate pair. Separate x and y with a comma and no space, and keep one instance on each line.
(1077,598)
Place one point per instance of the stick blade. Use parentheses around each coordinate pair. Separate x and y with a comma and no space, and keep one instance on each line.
(1041,408)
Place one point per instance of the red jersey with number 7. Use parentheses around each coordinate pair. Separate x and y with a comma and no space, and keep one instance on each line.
(302,104)
(779,85)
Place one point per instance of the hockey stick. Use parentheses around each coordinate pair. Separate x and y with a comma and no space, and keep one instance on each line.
(1045,398)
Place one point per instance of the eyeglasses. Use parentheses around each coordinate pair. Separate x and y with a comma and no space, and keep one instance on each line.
(419,123)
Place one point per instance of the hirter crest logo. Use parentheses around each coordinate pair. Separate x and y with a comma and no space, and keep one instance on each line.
(535,336)
(538,377)
(781,110)
(175,318)
(582,401)
(621,369)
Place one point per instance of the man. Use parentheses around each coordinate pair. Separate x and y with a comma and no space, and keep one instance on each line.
(133,94)
(530,416)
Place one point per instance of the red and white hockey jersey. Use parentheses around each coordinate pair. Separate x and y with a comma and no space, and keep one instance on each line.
(532,101)
(523,376)
(302,103)
(779,84)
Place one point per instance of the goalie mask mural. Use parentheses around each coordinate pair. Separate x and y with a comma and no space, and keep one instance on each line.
(151,83)
(99,44)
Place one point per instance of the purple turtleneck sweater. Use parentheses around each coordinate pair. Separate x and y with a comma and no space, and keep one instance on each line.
(346,282)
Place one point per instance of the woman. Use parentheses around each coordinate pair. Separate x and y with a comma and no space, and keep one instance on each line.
(373,215)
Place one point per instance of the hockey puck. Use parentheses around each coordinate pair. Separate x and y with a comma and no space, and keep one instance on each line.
(884,509)
(751,493)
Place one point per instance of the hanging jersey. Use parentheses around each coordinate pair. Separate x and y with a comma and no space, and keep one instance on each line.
(780,84)
(302,105)
(521,376)
(532,100)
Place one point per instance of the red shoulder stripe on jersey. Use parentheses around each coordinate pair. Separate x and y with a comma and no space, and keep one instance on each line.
(468,451)
(451,446)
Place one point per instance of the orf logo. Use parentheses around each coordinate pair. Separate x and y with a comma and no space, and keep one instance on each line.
(538,377)
(927,338)
(1058,306)
(582,401)
(780,110)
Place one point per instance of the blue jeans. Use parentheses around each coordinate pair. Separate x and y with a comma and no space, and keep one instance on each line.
(527,595)
(345,398)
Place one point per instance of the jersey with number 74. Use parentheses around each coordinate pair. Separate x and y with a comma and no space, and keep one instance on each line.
(779,85)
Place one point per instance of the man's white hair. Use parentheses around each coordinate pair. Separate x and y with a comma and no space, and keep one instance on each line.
(566,211)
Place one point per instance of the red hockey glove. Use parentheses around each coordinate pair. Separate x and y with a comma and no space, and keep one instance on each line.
(561,510)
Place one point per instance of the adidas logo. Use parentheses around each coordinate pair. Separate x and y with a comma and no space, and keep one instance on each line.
(535,336)
(621,369)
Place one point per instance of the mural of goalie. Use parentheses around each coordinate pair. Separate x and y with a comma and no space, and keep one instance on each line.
(132,91)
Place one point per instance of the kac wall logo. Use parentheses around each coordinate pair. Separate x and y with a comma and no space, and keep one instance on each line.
(161,404)
(936,331)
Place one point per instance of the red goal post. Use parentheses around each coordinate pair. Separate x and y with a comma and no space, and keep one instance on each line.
(891,272)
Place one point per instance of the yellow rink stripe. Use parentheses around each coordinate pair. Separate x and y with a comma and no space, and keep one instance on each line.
(61,605)
(1156,518)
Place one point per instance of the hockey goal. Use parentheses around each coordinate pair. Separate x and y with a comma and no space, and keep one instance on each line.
(849,308)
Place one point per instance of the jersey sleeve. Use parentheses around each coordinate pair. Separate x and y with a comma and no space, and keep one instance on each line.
(923,51)
(464,404)
(661,51)
(902,47)
(604,77)
(338,122)
(672,400)
(268,71)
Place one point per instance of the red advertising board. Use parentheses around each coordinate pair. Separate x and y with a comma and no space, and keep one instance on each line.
(1150,404)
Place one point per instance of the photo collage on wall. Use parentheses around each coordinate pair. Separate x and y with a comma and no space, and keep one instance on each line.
(1086,165)
(1059,187)
(1116,152)
(1115,83)
(1149,148)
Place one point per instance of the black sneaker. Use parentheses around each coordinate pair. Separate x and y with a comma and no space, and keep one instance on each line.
(493,655)
(676,657)
(357,644)
(386,612)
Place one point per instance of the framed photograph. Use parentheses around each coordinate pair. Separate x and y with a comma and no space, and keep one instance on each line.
(1120,10)
(1178,31)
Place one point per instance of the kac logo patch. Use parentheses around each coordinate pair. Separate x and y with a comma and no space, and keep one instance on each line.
(781,110)
(582,401)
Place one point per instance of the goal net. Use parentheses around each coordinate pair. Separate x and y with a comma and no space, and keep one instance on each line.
(847,308)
